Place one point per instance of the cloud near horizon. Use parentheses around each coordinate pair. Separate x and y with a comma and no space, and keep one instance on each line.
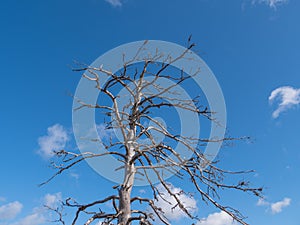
(32,219)
(287,97)
(38,216)
(10,210)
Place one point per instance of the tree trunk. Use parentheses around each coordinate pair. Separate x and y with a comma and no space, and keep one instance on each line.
(126,187)
(125,196)
(124,206)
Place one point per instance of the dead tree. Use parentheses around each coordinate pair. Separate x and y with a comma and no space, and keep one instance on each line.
(140,158)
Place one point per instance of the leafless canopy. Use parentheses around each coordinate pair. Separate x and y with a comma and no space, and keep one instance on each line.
(139,158)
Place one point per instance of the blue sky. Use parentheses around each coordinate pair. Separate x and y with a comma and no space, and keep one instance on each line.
(251,46)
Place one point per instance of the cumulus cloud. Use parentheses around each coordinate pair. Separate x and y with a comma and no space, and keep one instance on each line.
(115,3)
(40,215)
(52,200)
(271,3)
(55,140)
(33,219)
(287,97)
(275,207)
(278,206)
(262,202)
(176,213)
(218,218)
(10,210)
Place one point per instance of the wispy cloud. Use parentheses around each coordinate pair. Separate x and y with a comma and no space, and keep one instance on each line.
(115,3)
(175,214)
(218,218)
(142,191)
(10,210)
(74,175)
(287,97)
(55,140)
(275,207)
(103,132)
(271,3)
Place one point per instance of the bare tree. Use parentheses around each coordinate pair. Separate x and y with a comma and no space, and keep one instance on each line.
(139,159)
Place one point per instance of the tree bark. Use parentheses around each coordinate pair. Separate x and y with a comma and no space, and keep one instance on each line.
(126,187)
(124,205)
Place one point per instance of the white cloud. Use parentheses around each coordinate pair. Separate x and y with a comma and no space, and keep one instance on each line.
(33,219)
(52,200)
(271,3)
(10,210)
(219,218)
(114,3)
(275,207)
(287,97)
(262,202)
(142,191)
(175,214)
(278,206)
(40,214)
(55,140)
(104,133)
(74,175)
